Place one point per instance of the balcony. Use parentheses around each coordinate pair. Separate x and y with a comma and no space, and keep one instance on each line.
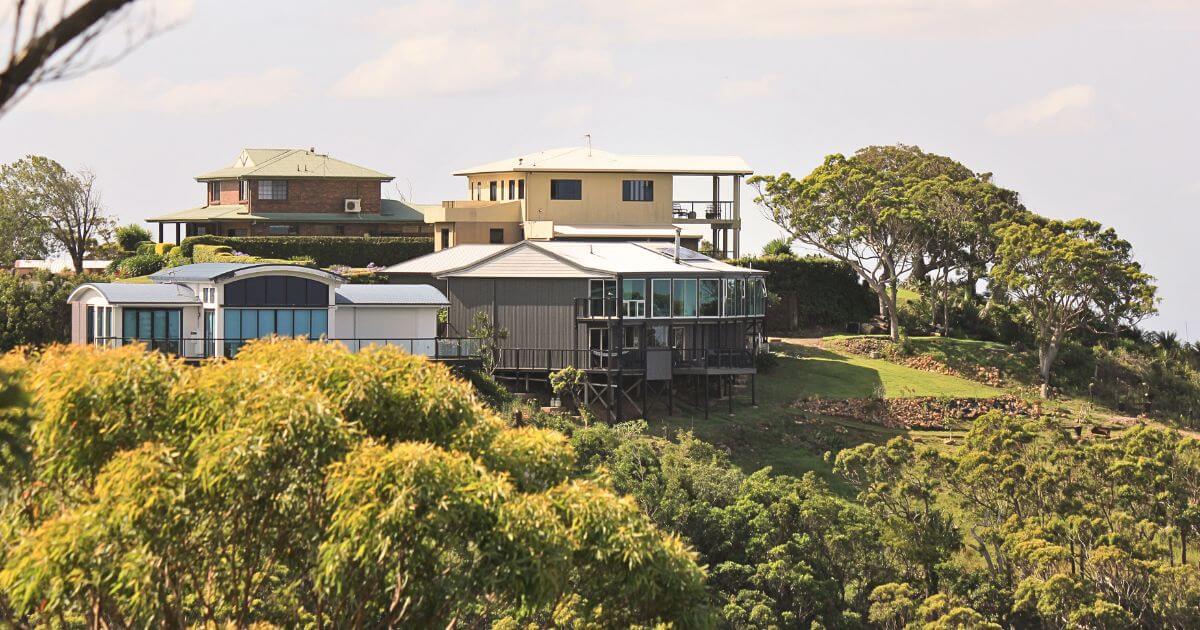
(702,211)
(436,348)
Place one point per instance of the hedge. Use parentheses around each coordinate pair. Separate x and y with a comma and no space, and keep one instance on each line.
(813,292)
(225,253)
(324,251)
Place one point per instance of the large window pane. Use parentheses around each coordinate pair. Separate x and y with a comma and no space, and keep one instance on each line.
(731,297)
(173,325)
(249,325)
(276,291)
(256,291)
(633,297)
(233,324)
(661,289)
(710,297)
(568,189)
(684,298)
(283,322)
(128,323)
(296,289)
(266,323)
(318,294)
(235,293)
(303,324)
(320,323)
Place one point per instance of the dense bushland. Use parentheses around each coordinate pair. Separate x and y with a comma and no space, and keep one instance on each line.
(811,292)
(301,485)
(34,309)
(1021,525)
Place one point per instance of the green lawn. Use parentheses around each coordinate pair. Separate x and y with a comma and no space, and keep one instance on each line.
(773,434)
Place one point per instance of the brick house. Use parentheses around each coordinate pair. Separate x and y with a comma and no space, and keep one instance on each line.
(284,192)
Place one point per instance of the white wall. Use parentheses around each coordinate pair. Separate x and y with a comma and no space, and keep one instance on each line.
(388,323)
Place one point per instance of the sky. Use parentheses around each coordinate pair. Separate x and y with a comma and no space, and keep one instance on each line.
(1086,107)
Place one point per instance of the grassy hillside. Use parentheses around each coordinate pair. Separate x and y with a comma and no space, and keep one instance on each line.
(775,434)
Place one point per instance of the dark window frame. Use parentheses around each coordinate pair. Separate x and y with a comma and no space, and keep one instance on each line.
(520,189)
(492,236)
(637,190)
(566,189)
(274,185)
(492,191)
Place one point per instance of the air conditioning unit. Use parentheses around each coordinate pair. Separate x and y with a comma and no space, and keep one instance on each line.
(353,205)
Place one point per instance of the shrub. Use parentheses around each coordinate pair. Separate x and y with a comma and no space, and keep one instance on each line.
(129,237)
(224,253)
(140,265)
(813,291)
(35,308)
(146,247)
(325,251)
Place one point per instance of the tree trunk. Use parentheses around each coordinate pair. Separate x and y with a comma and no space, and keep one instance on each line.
(892,312)
(77,261)
(1047,351)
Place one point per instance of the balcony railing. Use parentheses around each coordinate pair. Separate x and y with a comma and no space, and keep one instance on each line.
(712,358)
(437,348)
(702,210)
(554,359)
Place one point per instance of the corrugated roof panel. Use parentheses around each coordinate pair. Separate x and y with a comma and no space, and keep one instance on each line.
(291,163)
(446,259)
(120,293)
(396,294)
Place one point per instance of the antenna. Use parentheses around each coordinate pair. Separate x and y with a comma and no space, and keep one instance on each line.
(588,136)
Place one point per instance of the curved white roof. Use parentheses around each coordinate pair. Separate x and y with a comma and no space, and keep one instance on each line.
(123,293)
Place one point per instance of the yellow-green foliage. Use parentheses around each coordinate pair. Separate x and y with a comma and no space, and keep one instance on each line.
(162,248)
(301,485)
(94,403)
(225,253)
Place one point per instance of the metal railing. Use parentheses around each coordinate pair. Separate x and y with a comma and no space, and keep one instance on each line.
(705,210)
(437,348)
(554,359)
(712,358)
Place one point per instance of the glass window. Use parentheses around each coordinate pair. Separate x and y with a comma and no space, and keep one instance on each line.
(637,190)
(512,189)
(243,190)
(492,192)
(566,189)
(320,324)
(633,297)
(214,191)
(656,337)
(661,289)
(281,230)
(683,303)
(266,323)
(602,298)
(731,301)
(249,325)
(678,337)
(710,297)
(632,337)
(283,322)
(273,189)
(496,236)
(520,189)
(91,324)
(743,305)
(302,326)
(233,323)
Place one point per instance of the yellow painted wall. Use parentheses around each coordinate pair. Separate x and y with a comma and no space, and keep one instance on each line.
(474,232)
(601,203)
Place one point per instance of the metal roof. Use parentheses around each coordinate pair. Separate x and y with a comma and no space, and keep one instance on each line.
(584,159)
(210,272)
(121,293)
(290,164)
(446,259)
(556,259)
(390,211)
(390,294)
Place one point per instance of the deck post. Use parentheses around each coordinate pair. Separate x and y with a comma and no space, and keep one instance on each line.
(737,216)
(177,239)
(160,232)
(731,377)
(706,396)
(671,396)
(753,397)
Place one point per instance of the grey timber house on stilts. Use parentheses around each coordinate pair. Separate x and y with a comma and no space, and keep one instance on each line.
(643,320)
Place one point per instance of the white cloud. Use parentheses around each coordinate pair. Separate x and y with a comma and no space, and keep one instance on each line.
(1057,106)
(437,65)
(737,89)
(107,90)
(577,63)
(708,19)
(573,117)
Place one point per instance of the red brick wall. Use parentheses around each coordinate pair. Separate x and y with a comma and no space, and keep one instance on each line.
(229,192)
(321,195)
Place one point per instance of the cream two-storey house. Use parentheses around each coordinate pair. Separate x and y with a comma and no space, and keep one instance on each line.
(580,193)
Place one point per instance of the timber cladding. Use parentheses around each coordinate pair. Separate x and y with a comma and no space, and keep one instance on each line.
(536,312)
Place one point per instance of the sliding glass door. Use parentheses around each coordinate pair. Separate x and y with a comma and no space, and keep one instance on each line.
(158,328)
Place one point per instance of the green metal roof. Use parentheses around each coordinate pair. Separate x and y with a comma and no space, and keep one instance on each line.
(391,211)
(291,164)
